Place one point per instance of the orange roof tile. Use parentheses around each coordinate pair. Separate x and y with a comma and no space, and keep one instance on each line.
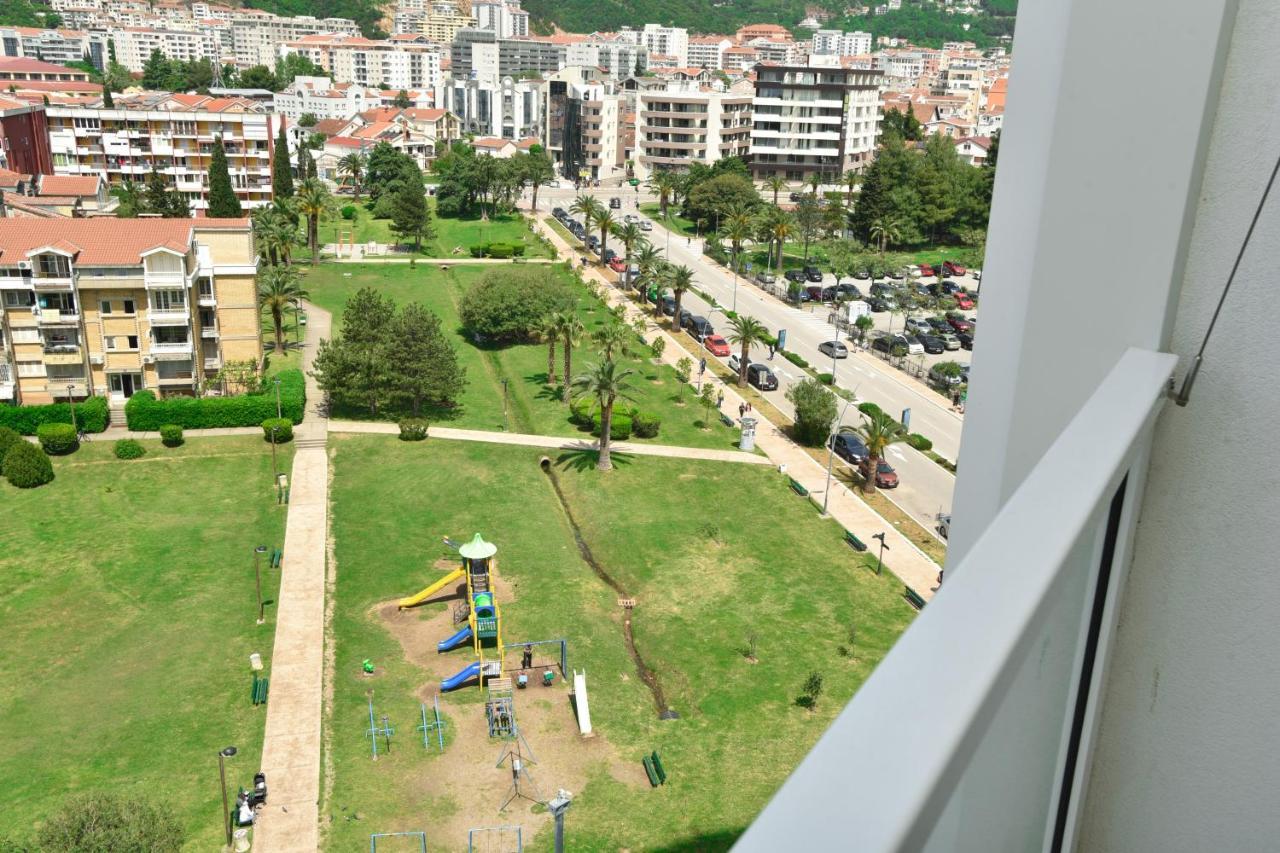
(68,185)
(100,242)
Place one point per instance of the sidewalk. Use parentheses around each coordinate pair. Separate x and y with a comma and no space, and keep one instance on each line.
(291,746)
(903,558)
(552,442)
(357,256)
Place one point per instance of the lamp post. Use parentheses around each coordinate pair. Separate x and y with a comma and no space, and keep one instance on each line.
(558,806)
(72,403)
(275,473)
(278,414)
(297,325)
(257,577)
(831,453)
(883,547)
(223,755)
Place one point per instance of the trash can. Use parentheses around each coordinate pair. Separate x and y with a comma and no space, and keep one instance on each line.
(747,441)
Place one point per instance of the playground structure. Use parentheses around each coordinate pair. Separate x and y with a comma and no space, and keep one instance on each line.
(495,839)
(416,840)
(386,730)
(436,726)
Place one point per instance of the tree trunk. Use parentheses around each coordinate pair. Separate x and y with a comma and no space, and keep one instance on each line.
(277,317)
(313,235)
(675,316)
(869,485)
(743,363)
(551,362)
(568,367)
(606,424)
(535,198)
(604,243)
(417,405)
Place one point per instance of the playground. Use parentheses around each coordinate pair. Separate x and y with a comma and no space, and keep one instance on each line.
(129,610)
(710,639)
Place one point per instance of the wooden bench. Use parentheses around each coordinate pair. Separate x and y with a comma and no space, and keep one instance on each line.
(913,598)
(798,488)
(854,542)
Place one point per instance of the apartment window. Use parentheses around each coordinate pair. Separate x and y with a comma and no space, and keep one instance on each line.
(55,266)
(130,307)
(25,336)
(65,371)
(18,298)
(106,306)
(168,300)
(30,368)
(170,334)
(122,342)
(58,302)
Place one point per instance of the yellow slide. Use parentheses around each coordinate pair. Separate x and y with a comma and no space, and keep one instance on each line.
(414,600)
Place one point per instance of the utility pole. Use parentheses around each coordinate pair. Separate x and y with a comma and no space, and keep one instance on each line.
(278,412)
(831,453)
(558,806)
(223,755)
(883,546)
(257,577)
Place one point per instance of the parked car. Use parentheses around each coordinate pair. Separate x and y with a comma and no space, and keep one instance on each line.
(944,526)
(716,345)
(952,268)
(617,264)
(950,341)
(898,274)
(879,304)
(964,301)
(669,305)
(762,377)
(734,362)
(931,344)
(813,293)
(886,343)
(794,275)
(886,477)
(880,289)
(848,447)
(926,270)
(848,290)
(950,288)
(609,254)
(828,293)
(558,212)
(700,328)
(813,274)
(862,275)
(966,340)
(939,324)
(913,343)
(646,225)
(685,316)
(834,349)
(915,324)
(937,377)
(794,196)
(615,203)
(764,277)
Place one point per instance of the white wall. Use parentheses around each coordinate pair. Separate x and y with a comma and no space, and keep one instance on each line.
(1188,757)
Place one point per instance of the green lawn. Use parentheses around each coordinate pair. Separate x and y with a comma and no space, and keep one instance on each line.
(291,357)
(676,223)
(451,233)
(128,605)
(705,575)
(531,404)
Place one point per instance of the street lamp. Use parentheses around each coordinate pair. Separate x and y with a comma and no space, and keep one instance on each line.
(883,546)
(558,806)
(72,403)
(831,451)
(257,577)
(223,755)
(297,325)
(278,414)
(275,472)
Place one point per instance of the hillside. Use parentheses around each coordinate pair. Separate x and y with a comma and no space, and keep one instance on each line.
(367,13)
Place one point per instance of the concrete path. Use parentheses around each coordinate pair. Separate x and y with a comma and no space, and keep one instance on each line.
(291,748)
(902,557)
(359,256)
(552,442)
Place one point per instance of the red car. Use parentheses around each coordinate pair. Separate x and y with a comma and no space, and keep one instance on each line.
(963,301)
(717,345)
(926,270)
(617,264)
(952,268)
(886,477)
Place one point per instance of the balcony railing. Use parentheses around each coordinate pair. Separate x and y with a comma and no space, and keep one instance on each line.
(48,282)
(975,731)
(164,279)
(57,317)
(169,316)
(171,351)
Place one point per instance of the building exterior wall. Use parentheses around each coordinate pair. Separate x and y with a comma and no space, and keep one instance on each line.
(24,140)
(677,127)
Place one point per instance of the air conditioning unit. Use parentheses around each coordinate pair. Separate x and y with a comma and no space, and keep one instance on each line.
(24,265)
(148,359)
(95,359)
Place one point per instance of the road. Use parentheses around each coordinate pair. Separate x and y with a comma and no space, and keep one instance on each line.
(926,487)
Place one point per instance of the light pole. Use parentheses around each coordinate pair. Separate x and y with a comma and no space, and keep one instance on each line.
(831,453)
(883,546)
(257,576)
(558,806)
(72,403)
(297,325)
(275,473)
(223,755)
(278,414)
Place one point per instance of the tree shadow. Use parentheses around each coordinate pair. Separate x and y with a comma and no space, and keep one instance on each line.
(585,458)
(706,842)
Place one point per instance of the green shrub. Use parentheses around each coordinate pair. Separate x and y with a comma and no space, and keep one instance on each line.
(508,304)
(500,250)
(919,442)
(283,429)
(349,212)
(826,378)
(171,435)
(815,408)
(413,429)
(92,416)
(645,424)
(619,426)
(478,250)
(145,413)
(8,438)
(58,439)
(583,411)
(794,359)
(868,408)
(517,250)
(127,448)
(27,466)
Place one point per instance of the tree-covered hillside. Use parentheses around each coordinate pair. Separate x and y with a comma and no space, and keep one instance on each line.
(367,13)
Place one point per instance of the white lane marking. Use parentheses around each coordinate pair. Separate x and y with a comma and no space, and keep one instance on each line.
(897,454)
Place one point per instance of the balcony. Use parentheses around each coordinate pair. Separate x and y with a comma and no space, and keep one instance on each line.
(172,351)
(52,283)
(62,354)
(212,362)
(206,299)
(169,316)
(56,317)
(176,377)
(974,732)
(164,280)
(209,331)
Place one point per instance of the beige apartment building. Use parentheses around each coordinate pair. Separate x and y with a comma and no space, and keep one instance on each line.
(108,307)
(684,124)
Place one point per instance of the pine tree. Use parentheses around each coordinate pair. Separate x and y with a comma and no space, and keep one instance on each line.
(155,198)
(306,166)
(409,215)
(223,203)
(108,102)
(281,170)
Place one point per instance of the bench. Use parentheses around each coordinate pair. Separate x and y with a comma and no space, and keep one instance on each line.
(854,542)
(798,488)
(726,420)
(657,767)
(913,598)
(650,772)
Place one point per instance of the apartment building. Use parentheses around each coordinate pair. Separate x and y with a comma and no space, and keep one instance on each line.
(323,98)
(708,51)
(582,122)
(256,36)
(684,124)
(110,306)
(58,46)
(506,108)
(24,137)
(668,41)
(837,43)
(818,118)
(618,59)
(439,22)
(403,62)
(174,135)
(504,17)
(134,45)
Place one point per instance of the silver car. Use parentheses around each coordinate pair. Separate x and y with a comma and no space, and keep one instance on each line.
(646,225)
(834,349)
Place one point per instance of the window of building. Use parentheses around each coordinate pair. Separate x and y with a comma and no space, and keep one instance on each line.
(25,336)
(30,368)
(105,306)
(130,307)
(55,266)
(65,371)
(168,300)
(170,334)
(18,298)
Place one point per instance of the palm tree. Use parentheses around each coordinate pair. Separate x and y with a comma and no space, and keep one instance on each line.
(605,222)
(130,195)
(352,166)
(571,330)
(630,236)
(549,331)
(679,280)
(275,232)
(814,181)
(877,432)
(613,340)
(664,184)
(279,290)
(885,230)
(586,207)
(607,383)
(852,180)
(746,332)
(783,228)
(777,185)
(313,201)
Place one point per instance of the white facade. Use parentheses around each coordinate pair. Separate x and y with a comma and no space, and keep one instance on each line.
(317,96)
(708,53)
(135,44)
(668,41)
(504,17)
(505,108)
(256,38)
(57,46)
(619,59)
(837,43)
(682,125)
(389,64)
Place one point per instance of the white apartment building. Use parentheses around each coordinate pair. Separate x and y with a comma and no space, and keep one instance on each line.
(175,137)
(504,17)
(837,43)
(777,52)
(619,59)
(402,62)
(135,44)
(56,46)
(818,118)
(684,124)
(665,41)
(708,51)
(582,125)
(322,98)
(256,37)
(506,108)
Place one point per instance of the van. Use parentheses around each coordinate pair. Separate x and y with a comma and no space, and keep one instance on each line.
(760,376)
(699,328)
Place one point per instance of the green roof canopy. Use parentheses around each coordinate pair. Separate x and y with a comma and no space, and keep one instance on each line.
(478,549)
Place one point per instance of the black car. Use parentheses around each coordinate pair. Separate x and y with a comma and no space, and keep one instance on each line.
(846,290)
(950,287)
(813,274)
(609,254)
(762,377)
(879,289)
(966,340)
(878,305)
(795,196)
(932,345)
(884,343)
(849,447)
(795,275)
(668,305)
(558,212)
(862,275)
(939,324)
(700,328)
(615,203)
(829,293)
(685,316)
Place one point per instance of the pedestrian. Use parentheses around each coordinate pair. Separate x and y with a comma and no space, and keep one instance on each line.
(749,411)
(526,659)
(688,241)
(955,399)
(742,410)
(720,399)
(772,350)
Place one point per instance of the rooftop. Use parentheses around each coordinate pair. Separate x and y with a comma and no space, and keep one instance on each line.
(102,242)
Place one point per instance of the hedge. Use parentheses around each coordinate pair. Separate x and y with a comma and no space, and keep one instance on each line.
(619,426)
(919,442)
(145,413)
(127,448)
(645,424)
(171,435)
(794,359)
(283,428)
(413,429)
(27,466)
(8,438)
(91,416)
(497,250)
(58,439)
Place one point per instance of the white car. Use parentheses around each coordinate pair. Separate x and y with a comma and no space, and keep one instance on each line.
(646,225)
(630,217)
(734,363)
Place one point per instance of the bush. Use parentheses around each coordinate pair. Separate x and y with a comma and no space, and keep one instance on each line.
(826,378)
(919,442)
(499,250)
(645,424)
(658,346)
(145,413)
(282,426)
(27,466)
(127,448)
(171,435)
(815,412)
(413,429)
(583,411)
(385,206)
(508,304)
(478,250)
(109,821)
(92,416)
(517,250)
(349,212)
(794,359)
(8,438)
(58,439)
(619,426)
(868,408)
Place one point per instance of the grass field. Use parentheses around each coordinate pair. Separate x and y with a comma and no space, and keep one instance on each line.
(703,581)
(128,605)
(451,233)
(676,223)
(532,406)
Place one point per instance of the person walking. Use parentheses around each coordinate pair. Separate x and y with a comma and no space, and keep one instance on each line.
(526,659)
(720,399)
(742,410)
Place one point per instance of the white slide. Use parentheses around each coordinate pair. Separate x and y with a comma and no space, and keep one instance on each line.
(580,701)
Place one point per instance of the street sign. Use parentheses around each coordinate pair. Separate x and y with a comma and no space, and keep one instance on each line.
(906,419)
(782,339)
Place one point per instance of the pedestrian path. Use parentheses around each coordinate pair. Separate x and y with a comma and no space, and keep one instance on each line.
(289,823)
(552,442)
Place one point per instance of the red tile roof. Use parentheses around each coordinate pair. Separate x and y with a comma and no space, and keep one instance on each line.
(9,179)
(68,185)
(101,242)
(27,65)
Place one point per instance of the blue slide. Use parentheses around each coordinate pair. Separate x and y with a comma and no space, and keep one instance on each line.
(456,640)
(461,678)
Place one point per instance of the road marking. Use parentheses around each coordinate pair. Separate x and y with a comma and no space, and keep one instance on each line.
(897,454)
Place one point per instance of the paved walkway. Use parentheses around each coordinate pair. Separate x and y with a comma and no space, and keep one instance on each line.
(360,254)
(552,442)
(291,747)
(903,558)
